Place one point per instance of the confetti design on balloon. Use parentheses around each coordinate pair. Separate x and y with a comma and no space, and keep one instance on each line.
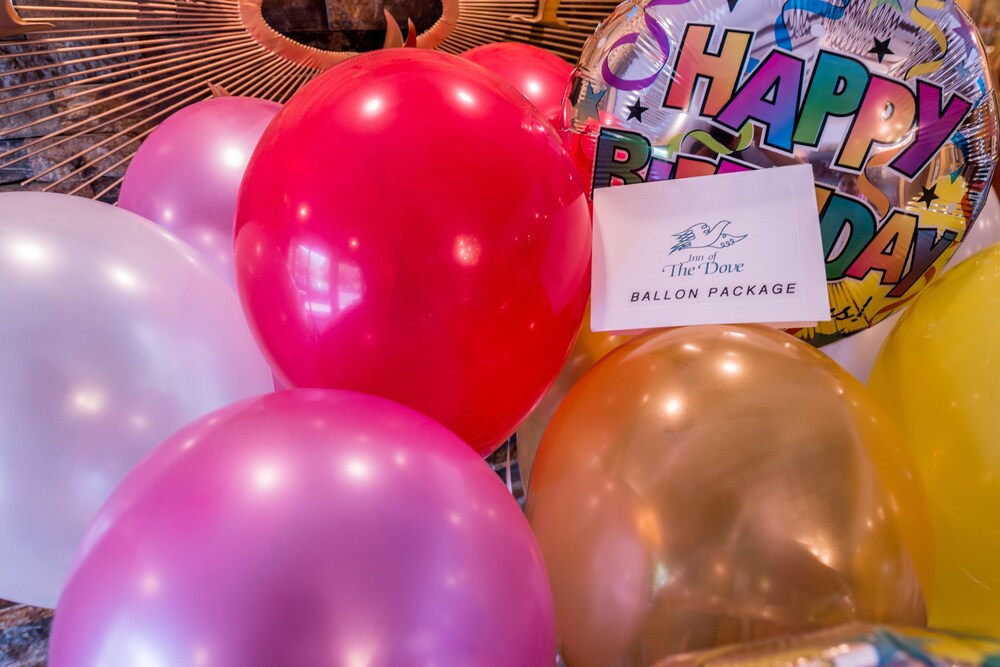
(826,10)
(870,190)
(888,101)
(710,142)
(934,30)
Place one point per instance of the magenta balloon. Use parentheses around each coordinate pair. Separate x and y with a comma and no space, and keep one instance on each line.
(308,528)
(186,175)
(539,75)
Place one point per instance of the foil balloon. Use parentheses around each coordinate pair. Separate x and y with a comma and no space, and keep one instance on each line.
(854,644)
(717,484)
(411,227)
(589,348)
(857,353)
(889,101)
(539,75)
(113,334)
(985,233)
(186,175)
(308,528)
(937,376)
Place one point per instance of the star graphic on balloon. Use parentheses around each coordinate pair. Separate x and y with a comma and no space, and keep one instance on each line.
(588,105)
(732,5)
(881,48)
(635,110)
(928,196)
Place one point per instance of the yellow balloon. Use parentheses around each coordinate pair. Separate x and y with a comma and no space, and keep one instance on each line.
(938,375)
(709,485)
(589,348)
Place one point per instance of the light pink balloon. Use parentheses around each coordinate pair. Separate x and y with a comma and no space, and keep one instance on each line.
(308,528)
(186,175)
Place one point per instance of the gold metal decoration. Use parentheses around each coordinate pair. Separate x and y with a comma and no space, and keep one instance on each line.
(85,81)
(12,24)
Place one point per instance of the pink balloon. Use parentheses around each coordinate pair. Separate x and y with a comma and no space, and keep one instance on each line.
(539,75)
(308,528)
(186,175)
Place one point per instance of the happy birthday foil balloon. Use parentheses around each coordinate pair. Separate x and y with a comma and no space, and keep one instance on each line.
(889,101)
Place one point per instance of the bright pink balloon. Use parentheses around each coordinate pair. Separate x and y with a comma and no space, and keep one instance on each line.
(186,175)
(539,75)
(409,226)
(308,528)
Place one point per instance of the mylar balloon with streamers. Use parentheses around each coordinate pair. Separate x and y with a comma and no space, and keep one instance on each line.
(890,102)
(857,353)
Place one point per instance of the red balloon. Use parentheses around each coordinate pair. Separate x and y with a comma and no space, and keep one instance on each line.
(409,226)
(539,75)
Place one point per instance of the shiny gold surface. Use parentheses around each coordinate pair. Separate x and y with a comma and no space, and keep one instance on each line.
(708,485)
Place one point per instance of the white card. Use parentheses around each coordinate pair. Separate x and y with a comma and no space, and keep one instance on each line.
(723,249)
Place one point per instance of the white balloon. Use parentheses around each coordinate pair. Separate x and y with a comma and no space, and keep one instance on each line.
(857,353)
(113,334)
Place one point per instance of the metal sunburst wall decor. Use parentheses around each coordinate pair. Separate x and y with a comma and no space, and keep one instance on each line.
(85,81)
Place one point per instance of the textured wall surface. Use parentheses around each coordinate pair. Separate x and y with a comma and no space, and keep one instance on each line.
(24,632)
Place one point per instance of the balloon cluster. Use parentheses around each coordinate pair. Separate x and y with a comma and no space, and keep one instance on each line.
(409,226)
(406,245)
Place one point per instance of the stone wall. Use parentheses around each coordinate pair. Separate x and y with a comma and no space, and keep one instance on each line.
(24,633)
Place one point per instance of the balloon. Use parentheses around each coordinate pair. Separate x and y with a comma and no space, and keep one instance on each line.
(717,484)
(985,233)
(937,377)
(589,348)
(857,353)
(410,227)
(889,101)
(308,528)
(539,75)
(113,335)
(186,175)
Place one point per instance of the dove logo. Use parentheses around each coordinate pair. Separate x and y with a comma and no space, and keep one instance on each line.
(703,235)
(706,236)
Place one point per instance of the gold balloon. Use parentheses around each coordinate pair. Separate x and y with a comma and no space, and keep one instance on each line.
(938,375)
(717,484)
(589,348)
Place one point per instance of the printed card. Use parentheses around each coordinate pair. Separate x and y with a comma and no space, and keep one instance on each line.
(723,249)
